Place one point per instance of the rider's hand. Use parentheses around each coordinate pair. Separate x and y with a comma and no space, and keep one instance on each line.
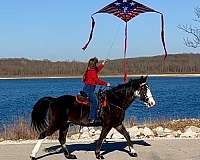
(108,85)
(106,60)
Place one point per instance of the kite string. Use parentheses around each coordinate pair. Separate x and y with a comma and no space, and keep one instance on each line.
(109,49)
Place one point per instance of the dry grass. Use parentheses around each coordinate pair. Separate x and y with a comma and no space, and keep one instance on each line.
(174,124)
(21,128)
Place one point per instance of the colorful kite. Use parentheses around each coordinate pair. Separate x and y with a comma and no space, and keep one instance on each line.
(126,10)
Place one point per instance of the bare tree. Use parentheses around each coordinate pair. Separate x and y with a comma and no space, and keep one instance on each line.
(194,31)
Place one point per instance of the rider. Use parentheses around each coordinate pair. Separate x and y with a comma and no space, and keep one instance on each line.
(91,79)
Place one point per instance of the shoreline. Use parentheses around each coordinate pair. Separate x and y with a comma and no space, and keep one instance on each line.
(103,76)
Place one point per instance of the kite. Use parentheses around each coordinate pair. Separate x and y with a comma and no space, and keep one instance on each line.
(126,10)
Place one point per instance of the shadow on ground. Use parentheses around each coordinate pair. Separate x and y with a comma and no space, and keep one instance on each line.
(107,147)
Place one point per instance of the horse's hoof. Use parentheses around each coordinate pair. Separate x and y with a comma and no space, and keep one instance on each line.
(133,154)
(99,156)
(32,158)
(70,156)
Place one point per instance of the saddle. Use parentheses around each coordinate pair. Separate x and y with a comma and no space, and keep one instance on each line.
(82,98)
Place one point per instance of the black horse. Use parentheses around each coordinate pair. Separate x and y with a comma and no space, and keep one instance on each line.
(52,114)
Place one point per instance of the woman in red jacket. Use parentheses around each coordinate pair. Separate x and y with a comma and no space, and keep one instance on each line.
(91,79)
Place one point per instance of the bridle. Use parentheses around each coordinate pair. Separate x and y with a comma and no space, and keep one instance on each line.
(127,93)
(143,92)
(115,95)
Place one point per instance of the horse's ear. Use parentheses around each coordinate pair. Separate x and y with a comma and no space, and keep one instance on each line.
(145,78)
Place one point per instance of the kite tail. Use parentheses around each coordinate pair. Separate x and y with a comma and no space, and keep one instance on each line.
(125,52)
(163,36)
(91,34)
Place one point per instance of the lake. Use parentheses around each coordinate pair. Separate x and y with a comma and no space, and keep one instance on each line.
(176,97)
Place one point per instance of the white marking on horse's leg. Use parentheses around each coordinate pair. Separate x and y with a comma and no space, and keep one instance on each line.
(131,150)
(37,147)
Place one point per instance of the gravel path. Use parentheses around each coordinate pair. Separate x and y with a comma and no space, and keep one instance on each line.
(157,149)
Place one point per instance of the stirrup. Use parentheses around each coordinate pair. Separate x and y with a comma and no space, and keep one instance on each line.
(95,121)
(83,94)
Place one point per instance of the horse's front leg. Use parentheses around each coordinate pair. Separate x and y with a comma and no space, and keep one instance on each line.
(62,139)
(104,132)
(121,129)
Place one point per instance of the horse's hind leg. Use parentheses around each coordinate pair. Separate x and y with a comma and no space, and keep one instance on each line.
(62,139)
(121,129)
(103,135)
(41,139)
(36,148)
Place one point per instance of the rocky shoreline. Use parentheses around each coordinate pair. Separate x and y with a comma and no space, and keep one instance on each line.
(175,129)
(90,134)
(139,133)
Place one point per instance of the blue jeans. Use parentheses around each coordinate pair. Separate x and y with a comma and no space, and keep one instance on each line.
(89,90)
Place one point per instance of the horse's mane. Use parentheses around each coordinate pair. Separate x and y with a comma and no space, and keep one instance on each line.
(129,85)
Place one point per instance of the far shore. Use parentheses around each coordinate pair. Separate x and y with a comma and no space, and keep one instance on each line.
(109,76)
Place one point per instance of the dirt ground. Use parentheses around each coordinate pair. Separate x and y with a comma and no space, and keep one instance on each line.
(156,149)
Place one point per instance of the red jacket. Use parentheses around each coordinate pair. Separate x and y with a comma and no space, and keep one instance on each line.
(91,76)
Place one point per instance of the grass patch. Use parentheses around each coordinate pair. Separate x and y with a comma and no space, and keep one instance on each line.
(20,129)
(173,124)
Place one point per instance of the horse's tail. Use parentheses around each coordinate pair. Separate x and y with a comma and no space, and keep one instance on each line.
(39,112)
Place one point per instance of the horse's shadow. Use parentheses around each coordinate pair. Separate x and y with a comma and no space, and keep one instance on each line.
(106,148)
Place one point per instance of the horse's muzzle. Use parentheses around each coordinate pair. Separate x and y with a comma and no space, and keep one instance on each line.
(151,102)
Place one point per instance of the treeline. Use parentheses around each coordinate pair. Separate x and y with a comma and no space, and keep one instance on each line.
(175,63)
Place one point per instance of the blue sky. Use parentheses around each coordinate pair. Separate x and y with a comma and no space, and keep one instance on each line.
(57,30)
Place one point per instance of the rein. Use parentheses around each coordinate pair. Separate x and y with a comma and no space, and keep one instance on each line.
(118,98)
(128,93)
(117,106)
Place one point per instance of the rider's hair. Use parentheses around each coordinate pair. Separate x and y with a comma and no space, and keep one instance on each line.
(92,64)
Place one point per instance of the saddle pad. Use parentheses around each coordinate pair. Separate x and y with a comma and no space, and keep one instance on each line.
(82,100)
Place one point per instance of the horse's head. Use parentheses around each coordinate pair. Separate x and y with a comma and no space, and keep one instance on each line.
(124,94)
(142,91)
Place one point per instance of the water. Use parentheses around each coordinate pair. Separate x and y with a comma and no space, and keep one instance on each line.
(175,97)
